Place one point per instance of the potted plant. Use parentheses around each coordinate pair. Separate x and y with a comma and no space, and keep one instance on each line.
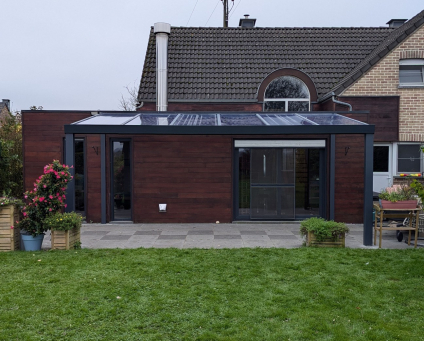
(398,197)
(323,233)
(9,215)
(47,198)
(65,229)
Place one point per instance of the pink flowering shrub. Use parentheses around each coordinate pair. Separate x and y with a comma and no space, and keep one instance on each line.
(47,198)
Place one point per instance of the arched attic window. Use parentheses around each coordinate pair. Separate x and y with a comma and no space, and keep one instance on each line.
(287,93)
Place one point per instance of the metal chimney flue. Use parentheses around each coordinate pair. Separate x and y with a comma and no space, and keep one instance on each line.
(162,31)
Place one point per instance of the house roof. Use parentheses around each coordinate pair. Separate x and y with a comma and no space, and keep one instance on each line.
(221,64)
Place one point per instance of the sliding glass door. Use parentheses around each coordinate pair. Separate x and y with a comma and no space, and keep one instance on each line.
(278,183)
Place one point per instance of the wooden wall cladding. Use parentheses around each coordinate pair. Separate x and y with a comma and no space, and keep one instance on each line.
(191,174)
(383,113)
(43,135)
(349,190)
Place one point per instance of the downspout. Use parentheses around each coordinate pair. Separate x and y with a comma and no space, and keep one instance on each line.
(162,30)
(338,102)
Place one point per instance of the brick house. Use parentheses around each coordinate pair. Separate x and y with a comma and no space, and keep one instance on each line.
(4,109)
(245,124)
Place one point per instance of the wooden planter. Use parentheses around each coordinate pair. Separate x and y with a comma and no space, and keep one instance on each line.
(328,242)
(9,238)
(398,205)
(65,240)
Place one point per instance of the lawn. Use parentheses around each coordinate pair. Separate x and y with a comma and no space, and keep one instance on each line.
(240,294)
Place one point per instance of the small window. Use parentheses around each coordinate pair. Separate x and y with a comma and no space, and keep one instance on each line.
(409,158)
(411,72)
(286,93)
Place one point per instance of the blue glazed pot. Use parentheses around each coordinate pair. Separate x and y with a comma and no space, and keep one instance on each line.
(32,243)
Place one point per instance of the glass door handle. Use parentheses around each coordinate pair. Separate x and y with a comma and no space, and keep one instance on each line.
(264,165)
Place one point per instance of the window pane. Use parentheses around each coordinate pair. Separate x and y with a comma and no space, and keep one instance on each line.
(275,106)
(410,74)
(381,159)
(287,87)
(298,106)
(409,150)
(244,182)
(264,202)
(264,166)
(409,165)
(121,180)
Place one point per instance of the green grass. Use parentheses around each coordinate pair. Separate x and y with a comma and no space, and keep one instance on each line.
(241,294)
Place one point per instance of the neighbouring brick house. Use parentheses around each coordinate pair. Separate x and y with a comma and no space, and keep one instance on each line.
(245,124)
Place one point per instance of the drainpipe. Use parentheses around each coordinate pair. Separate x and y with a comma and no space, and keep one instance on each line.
(338,102)
(162,30)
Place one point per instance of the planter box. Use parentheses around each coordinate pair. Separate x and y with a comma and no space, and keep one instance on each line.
(9,238)
(328,242)
(399,205)
(65,240)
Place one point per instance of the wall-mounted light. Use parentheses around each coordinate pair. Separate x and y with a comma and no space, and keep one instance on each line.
(162,207)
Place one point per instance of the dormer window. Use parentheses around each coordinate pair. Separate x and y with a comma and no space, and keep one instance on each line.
(411,72)
(287,93)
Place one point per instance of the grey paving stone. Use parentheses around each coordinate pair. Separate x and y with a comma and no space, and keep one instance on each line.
(148,233)
(116,237)
(281,236)
(200,232)
(227,236)
(172,237)
(94,233)
(247,232)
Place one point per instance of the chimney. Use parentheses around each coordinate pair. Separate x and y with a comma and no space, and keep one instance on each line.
(6,103)
(396,22)
(246,22)
(162,30)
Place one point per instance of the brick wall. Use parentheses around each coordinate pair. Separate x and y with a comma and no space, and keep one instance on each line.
(383,80)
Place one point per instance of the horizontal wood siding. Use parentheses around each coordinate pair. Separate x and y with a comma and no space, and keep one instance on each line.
(384,114)
(191,174)
(349,181)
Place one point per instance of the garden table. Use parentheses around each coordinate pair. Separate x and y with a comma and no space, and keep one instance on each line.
(381,213)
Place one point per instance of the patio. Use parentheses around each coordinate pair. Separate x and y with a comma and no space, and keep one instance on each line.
(237,235)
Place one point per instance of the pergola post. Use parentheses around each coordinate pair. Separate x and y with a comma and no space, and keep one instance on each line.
(103,177)
(368,193)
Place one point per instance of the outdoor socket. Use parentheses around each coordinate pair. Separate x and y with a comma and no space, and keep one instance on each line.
(162,207)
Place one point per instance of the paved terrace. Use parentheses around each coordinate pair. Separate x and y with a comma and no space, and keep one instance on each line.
(238,235)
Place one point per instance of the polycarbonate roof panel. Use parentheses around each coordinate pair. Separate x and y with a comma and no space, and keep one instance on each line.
(157,119)
(286,120)
(241,120)
(220,119)
(332,119)
(196,120)
(107,119)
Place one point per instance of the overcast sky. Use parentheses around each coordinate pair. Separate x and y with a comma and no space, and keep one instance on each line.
(80,54)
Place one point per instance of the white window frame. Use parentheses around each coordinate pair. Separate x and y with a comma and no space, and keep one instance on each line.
(396,153)
(413,62)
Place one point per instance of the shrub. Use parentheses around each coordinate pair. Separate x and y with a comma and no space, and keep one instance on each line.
(63,221)
(47,198)
(397,193)
(322,228)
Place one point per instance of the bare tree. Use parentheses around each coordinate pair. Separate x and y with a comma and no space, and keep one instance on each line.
(130,101)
